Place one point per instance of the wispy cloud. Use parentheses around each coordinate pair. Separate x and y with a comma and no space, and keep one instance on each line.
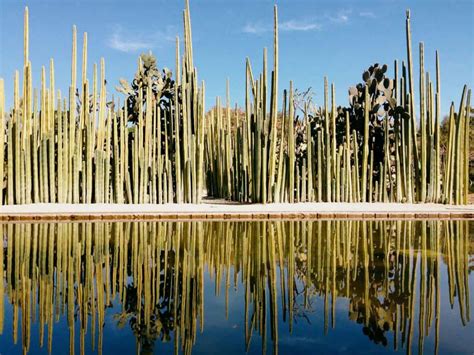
(315,24)
(121,43)
(341,16)
(286,26)
(254,28)
(293,25)
(368,14)
(128,42)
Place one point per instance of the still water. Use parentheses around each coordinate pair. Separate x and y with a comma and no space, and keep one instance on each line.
(234,287)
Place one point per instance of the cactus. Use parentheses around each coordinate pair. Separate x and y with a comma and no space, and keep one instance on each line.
(466,156)
(327,143)
(309,159)
(423,140)
(437,131)
(291,146)
(63,155)
(2,139)
(412,101)
(161,146)
(387,136)
(365,152)
(273,107)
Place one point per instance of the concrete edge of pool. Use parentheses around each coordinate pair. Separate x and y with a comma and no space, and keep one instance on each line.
(224,210)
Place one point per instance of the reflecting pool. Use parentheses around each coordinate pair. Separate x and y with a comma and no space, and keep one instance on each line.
(235,287)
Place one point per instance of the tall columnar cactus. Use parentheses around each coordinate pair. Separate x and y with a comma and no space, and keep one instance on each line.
(411,86)
(2,139)
(273,109)
(379,159)
(291,146)
(327,143)
(437,132)
(79,150)
(423,128)
(309,156)
(365,149)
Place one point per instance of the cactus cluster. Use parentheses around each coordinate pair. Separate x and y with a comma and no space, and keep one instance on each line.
(161,146)
(370,151)
(81,149)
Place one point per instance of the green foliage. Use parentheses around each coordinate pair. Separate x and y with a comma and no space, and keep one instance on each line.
(162,86)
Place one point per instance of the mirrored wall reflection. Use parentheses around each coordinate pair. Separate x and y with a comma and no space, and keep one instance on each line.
(80,281)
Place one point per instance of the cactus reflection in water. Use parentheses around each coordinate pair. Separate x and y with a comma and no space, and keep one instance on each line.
(390,273)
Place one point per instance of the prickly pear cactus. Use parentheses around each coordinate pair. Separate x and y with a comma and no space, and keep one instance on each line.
(382,106)
(162,85)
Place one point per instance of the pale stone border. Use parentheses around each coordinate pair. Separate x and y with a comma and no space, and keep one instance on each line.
(224,210)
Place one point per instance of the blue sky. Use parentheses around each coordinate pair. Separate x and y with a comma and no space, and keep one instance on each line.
(335,38)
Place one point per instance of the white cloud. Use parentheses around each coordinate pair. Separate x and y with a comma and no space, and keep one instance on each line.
(126,41)
(286,26)
(293,25)
(254,28)
(341,17)
(368,14)
(122,44)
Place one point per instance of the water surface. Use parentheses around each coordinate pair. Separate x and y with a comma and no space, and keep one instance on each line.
(234,287)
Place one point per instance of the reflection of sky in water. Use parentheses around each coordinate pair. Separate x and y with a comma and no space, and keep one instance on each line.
(227,336)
